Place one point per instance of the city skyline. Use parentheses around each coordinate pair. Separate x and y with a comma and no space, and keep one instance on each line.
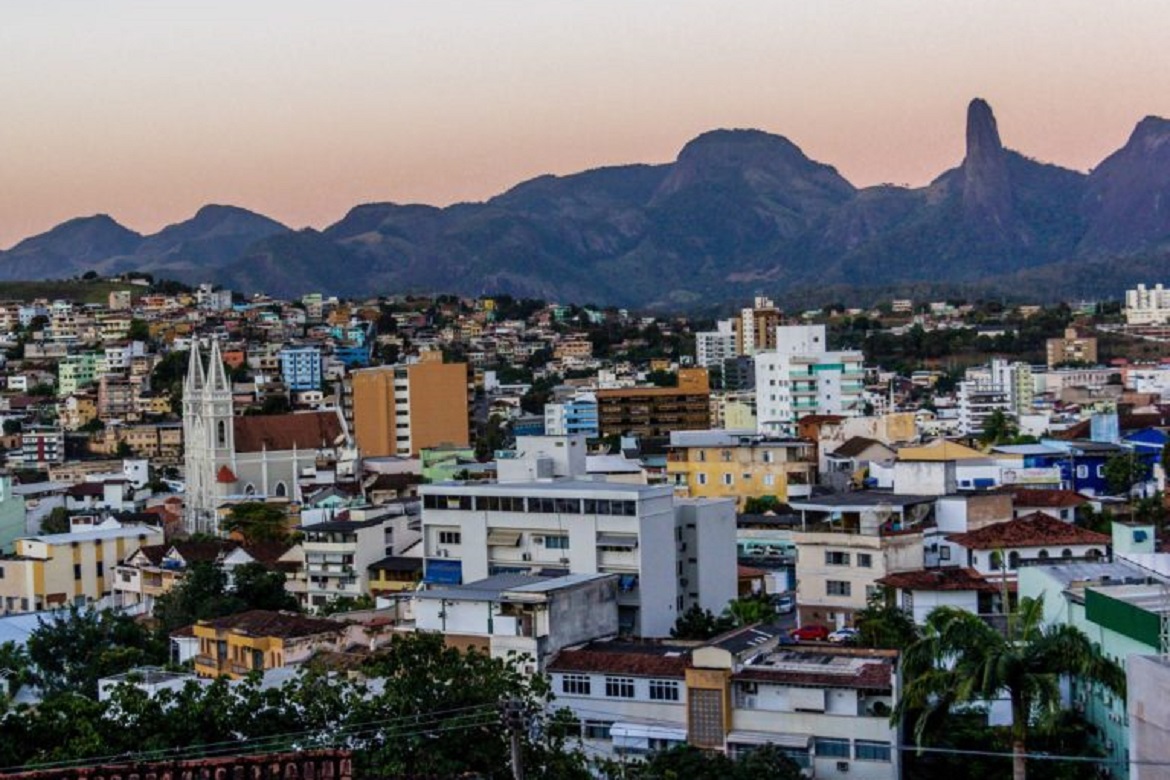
(301,110)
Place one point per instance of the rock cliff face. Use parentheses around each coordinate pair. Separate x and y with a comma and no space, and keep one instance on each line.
(738,212)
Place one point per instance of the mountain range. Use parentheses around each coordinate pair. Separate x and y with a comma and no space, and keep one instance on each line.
(737,213)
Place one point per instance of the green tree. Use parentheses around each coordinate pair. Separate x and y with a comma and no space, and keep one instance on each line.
(260,588)
(881,624)
(73,649)
(202,594)
(758,505)
(347,604)
(998,428)
(750,610)
(700,624)
(138,330)
(1123,471)
(57,522)
(687,762)
(258,522)
(961,659)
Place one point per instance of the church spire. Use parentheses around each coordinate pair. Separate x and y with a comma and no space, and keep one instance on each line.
(194,370)
(216,377)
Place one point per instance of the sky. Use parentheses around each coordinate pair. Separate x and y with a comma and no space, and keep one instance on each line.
(146,110)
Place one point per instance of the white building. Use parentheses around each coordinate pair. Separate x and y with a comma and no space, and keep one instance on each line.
(1000,386)
(803,377)
(1147,306)
(712,347)
(471,532)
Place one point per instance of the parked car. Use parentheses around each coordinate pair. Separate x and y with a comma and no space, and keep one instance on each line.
(844,635)
(810,633)
(785,603)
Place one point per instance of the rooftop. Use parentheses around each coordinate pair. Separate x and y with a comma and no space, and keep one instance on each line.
(948,579)
(550,488)
(1034,530)
(262,622)
(837,667)
(498,587)
(645,658)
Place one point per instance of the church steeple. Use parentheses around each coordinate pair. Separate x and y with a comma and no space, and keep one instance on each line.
(216,376)
(194,370)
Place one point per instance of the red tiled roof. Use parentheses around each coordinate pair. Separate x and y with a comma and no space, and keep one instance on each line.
(225,476)
(635,662)
(305,431)
(1034,530)
(870,677)
(951,578)
(1058,499)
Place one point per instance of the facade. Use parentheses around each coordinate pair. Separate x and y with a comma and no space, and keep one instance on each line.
(826,707)
(40,447)
(714,346)
(338,556)
(1071,349)
(400,410)
(1000,386)
(1147,306)
(739,465)
(56,570)
(656,411)
(578,415)
(755,327)
(300,368)
(802,377)
(258,640)
(471,532)
(998,551)
(248,457)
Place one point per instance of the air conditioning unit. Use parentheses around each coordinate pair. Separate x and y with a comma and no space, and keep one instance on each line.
(564,560)
(538,540)
(442,553)
(526,556)
(842,766)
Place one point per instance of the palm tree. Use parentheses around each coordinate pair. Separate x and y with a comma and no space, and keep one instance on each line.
(961,659)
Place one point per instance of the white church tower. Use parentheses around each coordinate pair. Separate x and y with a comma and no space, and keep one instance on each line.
(208,435)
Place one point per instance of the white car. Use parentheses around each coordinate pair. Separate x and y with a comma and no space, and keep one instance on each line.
(844,635)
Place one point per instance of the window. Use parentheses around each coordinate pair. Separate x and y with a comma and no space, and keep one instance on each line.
(77,571)
(556,542)
(865,560)
(1,572)
(1013,560)
(702,479)
(827,747)
(995,560)
(768,456)
(450,537)
(663,690)
(769,480)
(619,687)
(835,558)
(728,479)
(838,588)
(576,684)
(597,729)
(101,568)
(865,750)
(1066,553)
(944,553)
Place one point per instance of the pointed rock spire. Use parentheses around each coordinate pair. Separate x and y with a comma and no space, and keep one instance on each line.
(987,192)
(194,369)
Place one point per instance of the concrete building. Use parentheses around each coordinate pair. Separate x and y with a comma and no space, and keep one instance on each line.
(338,556)
(259,640)
(521,613)
(656,411)
(739,465)
(1000,386)
(300,367)
(1071,348)
(55,570)
(827,708)
(1147,306)
(577,415)
(471,532)
(755,327)
(402,409)
(712,347)
(12,515)
(802,377)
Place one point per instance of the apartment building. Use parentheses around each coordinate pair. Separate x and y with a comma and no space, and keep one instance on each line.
(338,555)
(801,376)
(826,707)
(39,447)
(656,411)
(1147,306)
(739,464)
(715,346)
(402,409)
(1072,348)
(577,415)
(55,570)
(300,368)
(666,557)
(755,327)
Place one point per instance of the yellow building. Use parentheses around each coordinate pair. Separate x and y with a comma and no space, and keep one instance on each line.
(739,465)
(258,640)
(394,574)
(55,570)
(400,410)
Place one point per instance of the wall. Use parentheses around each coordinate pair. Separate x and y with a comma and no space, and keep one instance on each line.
(315,764)
(1149,716)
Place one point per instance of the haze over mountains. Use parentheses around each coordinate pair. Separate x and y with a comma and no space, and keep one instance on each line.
(739,211)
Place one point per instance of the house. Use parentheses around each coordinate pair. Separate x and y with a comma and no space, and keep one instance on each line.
(258,640)
(844,466)
(740,465)
(1061,504)
(338,555)
(153,570)
(1027,540)
(920,591)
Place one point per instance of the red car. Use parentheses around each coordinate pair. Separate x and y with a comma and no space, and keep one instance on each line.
(810,633)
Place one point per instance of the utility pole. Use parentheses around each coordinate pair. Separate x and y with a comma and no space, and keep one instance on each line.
(514,720)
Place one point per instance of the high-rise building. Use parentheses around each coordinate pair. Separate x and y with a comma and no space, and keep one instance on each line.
(399,410)
(802,377)
(300,367)
(656,411)
(712,347)
(1147,306)
(755,327)
(1072,349)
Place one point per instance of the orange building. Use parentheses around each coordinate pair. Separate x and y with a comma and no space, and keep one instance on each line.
(400,410)
(656,411)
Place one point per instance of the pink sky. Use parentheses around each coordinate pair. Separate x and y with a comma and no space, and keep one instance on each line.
(147,110)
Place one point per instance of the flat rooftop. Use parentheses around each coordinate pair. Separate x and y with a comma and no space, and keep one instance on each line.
(563,487)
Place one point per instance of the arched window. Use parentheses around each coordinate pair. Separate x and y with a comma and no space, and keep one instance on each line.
(1013,560)
(996,560)
(250,490)
(1066,553)
(281,490)
(1094,553)
(1042,555)
(221,434)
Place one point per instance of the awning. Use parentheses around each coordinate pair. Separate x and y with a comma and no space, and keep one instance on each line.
(503,538)
(637,736)
(790,741)
(444,572)
(613,540)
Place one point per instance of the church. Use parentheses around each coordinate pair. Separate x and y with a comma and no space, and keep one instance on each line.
(231,458)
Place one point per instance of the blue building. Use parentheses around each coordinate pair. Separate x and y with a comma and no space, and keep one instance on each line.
(300,367)
(352,355)
(1082,463)
(578,415)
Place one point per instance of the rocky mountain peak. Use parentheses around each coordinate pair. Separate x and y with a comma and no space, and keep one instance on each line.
(987,192)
